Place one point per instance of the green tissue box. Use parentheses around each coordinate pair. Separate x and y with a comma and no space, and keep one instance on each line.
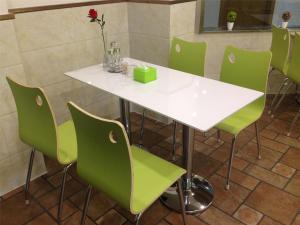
(144,74)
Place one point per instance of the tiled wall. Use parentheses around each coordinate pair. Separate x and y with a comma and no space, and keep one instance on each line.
(37,48)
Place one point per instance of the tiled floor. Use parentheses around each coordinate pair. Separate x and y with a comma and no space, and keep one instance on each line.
(264,192)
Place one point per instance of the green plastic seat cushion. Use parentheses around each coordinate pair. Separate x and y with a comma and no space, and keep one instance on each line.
(152,176)
(67,143)
(238,121)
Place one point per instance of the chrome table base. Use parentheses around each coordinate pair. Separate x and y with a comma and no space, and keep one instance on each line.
(197,199)
(198,193)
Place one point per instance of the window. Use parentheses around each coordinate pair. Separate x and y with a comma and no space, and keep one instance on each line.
(251,14)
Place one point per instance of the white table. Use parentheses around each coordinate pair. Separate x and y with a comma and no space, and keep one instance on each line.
(196,102)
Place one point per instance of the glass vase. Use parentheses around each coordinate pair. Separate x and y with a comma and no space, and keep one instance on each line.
(105,54)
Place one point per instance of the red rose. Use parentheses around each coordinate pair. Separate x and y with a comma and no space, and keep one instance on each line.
(93,14)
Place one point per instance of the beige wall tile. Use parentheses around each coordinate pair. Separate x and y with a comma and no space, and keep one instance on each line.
(150,49)
(182,18)
(150,19)
(14,168)
(6,97)
(9,52)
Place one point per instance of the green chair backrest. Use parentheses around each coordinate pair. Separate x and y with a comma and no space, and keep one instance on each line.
(104,155)
(188,56)
(37,125)
(280,48)
(294,64)
(246,68)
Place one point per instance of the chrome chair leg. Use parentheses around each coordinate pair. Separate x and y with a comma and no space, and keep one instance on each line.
(61,195)
(219,135)
(258,141)
(27,194)
(142,129)
(137,219)
(274,100)
(181,199)
(86,205)
(230,163)
(174,141)
(293,123)
(281,99)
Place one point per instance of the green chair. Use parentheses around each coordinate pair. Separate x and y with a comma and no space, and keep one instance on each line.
(187,57)
(280,49)
(106,161)
(247,69)
(37,128)
(293,75)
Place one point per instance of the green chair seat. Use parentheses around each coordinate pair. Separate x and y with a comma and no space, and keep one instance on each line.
(238,121)
(67,144)
(152,176)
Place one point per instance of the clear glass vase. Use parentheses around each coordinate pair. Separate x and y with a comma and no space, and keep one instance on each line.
(105,54)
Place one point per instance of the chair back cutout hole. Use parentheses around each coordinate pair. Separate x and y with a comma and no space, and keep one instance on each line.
(178,48)
(231,58)
(39,100)
(284,37)
(112,137)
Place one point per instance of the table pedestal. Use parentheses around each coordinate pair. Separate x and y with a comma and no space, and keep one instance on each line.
(125,116)
(198,193)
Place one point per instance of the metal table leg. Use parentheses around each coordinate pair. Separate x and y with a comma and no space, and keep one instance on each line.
(198,193)
(125,116)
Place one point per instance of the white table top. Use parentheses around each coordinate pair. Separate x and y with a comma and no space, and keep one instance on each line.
(198,102)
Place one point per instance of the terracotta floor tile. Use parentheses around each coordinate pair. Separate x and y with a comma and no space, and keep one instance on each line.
(213,142)
(297,220)
(268,156)
(43,219)
(214,216)
(268,221)
(111,217)
(161,152)
(150,138)
(274,203)
(176,219)
(283,170)
(227,200)
(203,148)
(68,209)
(243,138)
(99,204)
(163,223)
(50,199)
(57,179)
(289,141)
(248,215)
(239,163)
(154,214)
(203,165)
(266,175)
(39,187)
(274,145)
(222,153)
(75,220)
(279,126)
(239,177)
(13,192)
(292,158)
(294,185)
(13,211)
(268,133)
